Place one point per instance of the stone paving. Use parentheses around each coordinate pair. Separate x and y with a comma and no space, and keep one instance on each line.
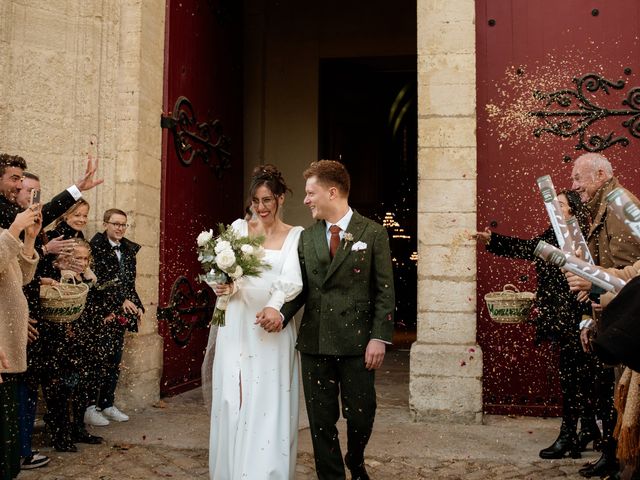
(171,441)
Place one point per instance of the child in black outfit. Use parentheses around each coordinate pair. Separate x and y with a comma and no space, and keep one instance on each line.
(118,308)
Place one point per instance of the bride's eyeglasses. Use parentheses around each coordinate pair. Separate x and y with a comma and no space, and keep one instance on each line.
(267,202)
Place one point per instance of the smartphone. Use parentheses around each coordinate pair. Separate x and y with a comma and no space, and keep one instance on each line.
(35,197)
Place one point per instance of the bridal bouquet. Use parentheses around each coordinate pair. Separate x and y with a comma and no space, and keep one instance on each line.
(226,258)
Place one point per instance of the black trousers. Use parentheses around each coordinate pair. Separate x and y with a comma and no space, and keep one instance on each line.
(326,380)
(577,372)
(58,375)
(9,437)
(112,344)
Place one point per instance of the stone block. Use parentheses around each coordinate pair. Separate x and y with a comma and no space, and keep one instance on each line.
(149,323)
(447,163)
(128,131)
(443,360)
(45,29)
(444,228)
(450,261)
(446,100)
(146,231)
(127,166)
(446,295)
(139,384)
(446,383)
(138,391)
(447,196)
(148,200)
(447,69)
(148,256)
(443,38)
(150,166)
(446,327)
(445,11)
(147,286)
(142,352)
(446,131)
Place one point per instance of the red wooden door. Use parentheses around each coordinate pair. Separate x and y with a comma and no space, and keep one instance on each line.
(523,47)
(202,169)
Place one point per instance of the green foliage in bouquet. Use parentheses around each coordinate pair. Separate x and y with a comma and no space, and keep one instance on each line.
(228,257)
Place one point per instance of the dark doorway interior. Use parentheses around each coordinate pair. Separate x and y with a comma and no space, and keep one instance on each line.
(369,121)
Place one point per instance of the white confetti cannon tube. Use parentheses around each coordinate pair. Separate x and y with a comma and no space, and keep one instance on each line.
(625,209)
(545,184)
(578,239)
(571,263)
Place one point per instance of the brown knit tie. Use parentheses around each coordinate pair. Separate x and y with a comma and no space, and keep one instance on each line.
(334,241)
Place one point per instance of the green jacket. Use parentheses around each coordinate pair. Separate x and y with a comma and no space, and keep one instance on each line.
(349,300)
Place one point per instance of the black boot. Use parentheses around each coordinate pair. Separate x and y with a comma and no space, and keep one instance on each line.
(589,432)
(607,464)
(566,443)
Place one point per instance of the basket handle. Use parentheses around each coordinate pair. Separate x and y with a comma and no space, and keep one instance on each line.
(510,287)
(67,276)
(56,289)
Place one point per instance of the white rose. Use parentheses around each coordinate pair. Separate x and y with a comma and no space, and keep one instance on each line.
(225,259)
(237,273)
(222,245)
(247,249)
(204,237)
(259,253)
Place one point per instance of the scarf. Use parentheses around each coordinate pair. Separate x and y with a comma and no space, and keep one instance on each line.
(627,403)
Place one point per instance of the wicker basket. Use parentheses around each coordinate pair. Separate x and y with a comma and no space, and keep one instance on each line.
(510,305)
(63,302)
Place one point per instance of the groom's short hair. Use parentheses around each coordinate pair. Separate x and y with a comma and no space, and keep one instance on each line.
(331,173)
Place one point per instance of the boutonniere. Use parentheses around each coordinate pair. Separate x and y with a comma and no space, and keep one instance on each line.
(348,237)
(359,246)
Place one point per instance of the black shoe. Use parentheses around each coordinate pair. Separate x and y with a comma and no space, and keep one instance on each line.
(605,465)
(34,460)
(590,434)
(85,437)
(566,443)
(64,444)
(359,473)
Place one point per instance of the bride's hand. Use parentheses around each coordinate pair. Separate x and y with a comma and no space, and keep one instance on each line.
(270,319)
(223,289)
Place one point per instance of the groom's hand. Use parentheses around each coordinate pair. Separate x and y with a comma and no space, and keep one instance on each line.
(374,354)
(270,319)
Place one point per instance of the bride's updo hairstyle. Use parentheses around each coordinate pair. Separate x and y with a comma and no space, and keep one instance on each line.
(269,176)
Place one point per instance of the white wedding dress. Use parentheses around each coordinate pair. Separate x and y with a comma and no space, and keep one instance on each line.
(254,412)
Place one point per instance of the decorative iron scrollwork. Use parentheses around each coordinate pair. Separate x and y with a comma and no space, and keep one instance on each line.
(187,310)
(197,140)
(582,112)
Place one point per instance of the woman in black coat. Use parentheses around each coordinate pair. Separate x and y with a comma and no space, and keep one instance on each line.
(558,319)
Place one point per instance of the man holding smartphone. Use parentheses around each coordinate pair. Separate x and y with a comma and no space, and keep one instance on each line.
(12,168)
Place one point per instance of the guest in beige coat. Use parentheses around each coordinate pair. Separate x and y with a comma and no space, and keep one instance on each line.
(17,266)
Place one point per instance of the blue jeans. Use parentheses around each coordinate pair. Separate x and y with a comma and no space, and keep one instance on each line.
(27,402)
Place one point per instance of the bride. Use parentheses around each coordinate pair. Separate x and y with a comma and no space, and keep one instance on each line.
(254,411)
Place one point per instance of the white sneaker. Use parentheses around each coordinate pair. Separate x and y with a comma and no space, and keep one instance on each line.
(93,417)
(34,461)
(112,413)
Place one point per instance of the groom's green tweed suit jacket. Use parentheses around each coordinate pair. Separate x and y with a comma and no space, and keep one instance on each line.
(350,299)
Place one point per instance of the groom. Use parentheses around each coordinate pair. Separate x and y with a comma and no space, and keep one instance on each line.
(348,318)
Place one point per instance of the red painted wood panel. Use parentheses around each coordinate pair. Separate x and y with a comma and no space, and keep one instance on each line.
(203,60)
(523,46)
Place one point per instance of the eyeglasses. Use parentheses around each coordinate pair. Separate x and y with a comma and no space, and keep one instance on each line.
(266,201)
(119,225)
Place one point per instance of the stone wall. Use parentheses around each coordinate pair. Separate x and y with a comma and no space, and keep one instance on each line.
(72,70)
(446,364)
